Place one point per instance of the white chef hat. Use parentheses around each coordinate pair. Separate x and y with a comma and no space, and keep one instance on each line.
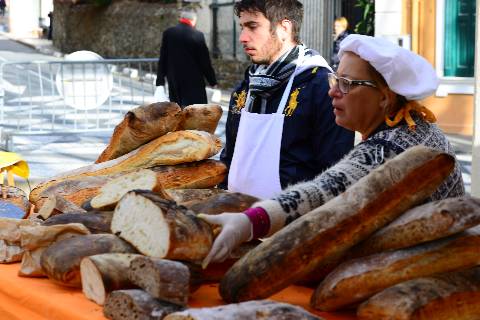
(405,72)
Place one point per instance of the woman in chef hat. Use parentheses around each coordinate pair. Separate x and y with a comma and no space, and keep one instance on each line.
(375,91)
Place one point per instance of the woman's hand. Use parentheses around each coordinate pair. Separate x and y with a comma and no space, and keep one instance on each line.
(236,229)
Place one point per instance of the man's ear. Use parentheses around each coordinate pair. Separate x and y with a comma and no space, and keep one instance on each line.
(284,30)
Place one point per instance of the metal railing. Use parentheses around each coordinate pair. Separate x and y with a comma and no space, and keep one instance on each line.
(50,97)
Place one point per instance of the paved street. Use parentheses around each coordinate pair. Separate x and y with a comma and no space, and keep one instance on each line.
(52,154)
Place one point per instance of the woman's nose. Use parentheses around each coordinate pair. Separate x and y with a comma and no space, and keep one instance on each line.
(335,92)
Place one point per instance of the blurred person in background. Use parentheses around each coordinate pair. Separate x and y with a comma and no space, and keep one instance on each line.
(185,62)
(340,27)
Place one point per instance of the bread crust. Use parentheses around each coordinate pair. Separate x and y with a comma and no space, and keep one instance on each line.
(431,221)
(328,232)
(141,125)
(453,295)
(357,280)
(194,175)
(202,117)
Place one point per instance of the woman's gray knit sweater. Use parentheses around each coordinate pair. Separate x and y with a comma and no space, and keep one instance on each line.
(386,143)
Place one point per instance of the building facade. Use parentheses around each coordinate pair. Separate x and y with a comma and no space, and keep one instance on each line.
(442,31)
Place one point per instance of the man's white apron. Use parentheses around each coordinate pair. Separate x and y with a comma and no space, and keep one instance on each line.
(255,167)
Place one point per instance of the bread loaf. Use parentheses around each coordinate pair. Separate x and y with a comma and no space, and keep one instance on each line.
(95,222)
(325,234)
(61,260)
(357,280)
(202,117)
(36,239)
(136,304)
(263,309)
(159,228)
(104,273)
(189,197)
(447,296)
(201,174)
(224,202)
(424,223)
(141,125)
(164,279)
(56,204)
(170,149)
(112,191)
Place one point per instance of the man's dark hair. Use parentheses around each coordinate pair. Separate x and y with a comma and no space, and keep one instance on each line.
(275,11)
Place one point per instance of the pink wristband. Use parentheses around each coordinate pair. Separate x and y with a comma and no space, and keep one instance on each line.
(260,221)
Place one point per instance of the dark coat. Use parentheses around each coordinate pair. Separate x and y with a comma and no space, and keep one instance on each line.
(185,61)
(311,140)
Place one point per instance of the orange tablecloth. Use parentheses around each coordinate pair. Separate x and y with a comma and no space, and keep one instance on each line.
(41,299)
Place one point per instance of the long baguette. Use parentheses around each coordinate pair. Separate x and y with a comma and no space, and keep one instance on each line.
(357,280)
(431,221)
(170,149)
(200,174)
(450,296)
(141,125)
(325,234)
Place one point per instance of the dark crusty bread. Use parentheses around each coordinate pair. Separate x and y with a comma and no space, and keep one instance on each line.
(200,174)
(328,232)
(202,117)
(424,223)
(449,296)
(358,279)
(141,125)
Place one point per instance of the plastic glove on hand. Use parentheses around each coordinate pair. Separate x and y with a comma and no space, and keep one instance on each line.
(236,229)
(160,95)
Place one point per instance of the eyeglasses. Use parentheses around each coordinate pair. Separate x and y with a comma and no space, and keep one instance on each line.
(345,84)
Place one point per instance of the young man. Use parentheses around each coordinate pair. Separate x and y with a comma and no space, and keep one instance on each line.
(281,127)
(185,61)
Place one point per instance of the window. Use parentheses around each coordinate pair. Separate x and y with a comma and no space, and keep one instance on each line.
(459,49)
(455,50)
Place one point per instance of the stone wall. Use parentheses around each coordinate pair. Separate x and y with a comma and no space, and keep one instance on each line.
(126,28)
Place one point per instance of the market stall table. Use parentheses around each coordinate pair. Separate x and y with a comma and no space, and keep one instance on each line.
(41,299)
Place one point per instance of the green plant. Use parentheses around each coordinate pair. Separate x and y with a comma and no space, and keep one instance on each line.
(366,25)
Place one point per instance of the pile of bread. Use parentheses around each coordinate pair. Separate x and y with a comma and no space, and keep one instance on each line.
(125,230)
(378,248)
(93,226)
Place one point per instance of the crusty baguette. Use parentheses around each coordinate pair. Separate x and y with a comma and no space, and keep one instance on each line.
(140,126)
(35,240)
(61,260)
(170,149)
(449,296)
(202,117)
(262,309)
(188,197)
(56,204)
(135,304)
(328,232)
(95,221)
(113,190)
(357,280)
(224,202)
(104,273)
(424,223)
(200,174)
(165,280)
(159,228)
